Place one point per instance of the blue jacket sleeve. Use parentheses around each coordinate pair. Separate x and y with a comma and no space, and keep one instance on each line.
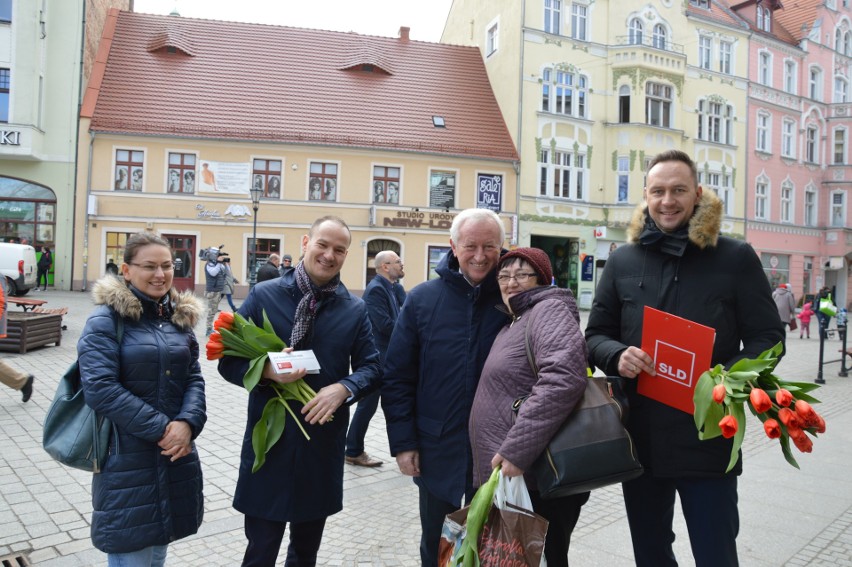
(400,379)
(194,406)
(379,308)
(364,359)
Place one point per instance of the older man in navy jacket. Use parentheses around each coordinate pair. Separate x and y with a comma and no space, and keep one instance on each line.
(436,353)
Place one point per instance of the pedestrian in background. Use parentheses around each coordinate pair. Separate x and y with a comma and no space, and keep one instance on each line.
(214,272)
(823,318)
(269,271)
(9,376)
(805,318)
(230,280)
(784,302)
(43,266)
(149,385)
(286,265)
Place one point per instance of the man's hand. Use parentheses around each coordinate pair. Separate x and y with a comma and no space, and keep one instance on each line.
(633,361)
(409,462)
(322,407)
(177,440)
(270,374)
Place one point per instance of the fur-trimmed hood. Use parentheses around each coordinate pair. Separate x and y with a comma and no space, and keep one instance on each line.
(703,226)
(113,292)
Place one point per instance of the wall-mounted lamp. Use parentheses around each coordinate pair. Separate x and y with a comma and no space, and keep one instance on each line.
(416,209)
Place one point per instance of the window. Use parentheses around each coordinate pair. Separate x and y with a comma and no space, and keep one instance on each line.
(553,16)
(838,209)
(266,174)
(569,90)
(764,71)
(564,176)
(129,167)
(265,248)
(322,185)
(839,146)
(786,202)
(181,173)
(6,11)
(815,83)
(624,104)
(790,77)
(385,184)
(5,83)
(726,55)
(761,191)
(810,206)
(701,3)
(841,90)
(705,47)
(636,31)
(579,21)
(658,104)
(623,179)
(660,36)
(763,121)
(788,138)
(720,183)
(764,19)
(715,121)
(843,41)
(442,189)
(491,41)
(811,153)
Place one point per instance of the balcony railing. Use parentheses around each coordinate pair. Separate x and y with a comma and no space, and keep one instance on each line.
(649,41)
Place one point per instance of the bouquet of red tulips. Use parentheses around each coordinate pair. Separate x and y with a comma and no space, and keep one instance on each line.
(721,396)
(237,336)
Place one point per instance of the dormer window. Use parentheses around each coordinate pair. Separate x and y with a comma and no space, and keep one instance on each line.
(764,19)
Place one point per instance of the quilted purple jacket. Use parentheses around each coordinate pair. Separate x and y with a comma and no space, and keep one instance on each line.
(559,350)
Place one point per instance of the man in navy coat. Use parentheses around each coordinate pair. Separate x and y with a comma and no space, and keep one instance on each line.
(301,482)
(384,296)
(436,353)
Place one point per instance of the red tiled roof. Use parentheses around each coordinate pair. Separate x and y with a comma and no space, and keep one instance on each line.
(239,81)
(779,30)
(717,12)
(797,16)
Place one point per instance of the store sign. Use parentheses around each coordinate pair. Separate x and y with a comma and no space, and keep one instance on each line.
(416,219)
(10,138)
(489,192)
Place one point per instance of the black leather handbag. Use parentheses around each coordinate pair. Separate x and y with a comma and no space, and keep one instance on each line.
(591,449)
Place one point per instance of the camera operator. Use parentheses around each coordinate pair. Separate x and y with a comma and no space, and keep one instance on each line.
(215,274)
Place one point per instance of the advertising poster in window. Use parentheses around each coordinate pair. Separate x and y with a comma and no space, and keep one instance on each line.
(489,191)
(435,255)
(442,189)
(224,177)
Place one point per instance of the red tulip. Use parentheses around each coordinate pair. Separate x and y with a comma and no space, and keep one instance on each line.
(803,443)
(783,397)
(789,418)
(772,429)
(729,426)
(760,400)
(215,348)
(719,393)
(224,320)
(806,413)
(821,425)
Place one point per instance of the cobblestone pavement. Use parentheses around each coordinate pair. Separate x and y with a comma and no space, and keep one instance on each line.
(788,516)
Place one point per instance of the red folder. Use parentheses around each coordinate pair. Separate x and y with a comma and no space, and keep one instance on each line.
(682,350)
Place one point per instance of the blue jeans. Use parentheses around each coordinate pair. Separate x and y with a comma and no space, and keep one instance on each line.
(364,412)
(228,296)
(154,556)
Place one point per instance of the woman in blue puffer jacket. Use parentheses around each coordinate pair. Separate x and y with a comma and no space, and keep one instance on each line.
(149,492)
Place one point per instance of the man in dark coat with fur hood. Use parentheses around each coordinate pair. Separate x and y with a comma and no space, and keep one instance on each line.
(678,263)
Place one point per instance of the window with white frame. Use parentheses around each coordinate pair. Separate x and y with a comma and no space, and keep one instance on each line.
(811,149)
(764,69)
(715,122)
(701,3)
(764,19)
(838,209)
(564,92)
(786,202)
(705,49)
(579,21)
(841,89)
(5,86)
(661,36)
(658,104)
(129,170)
(762,142)
(810,206)
(492,39)
(563,174)
(790,72)
(815,83)
(636,31)
(623,104)
(788,138)
(623,179)
(761,197)
(726,56)
(181,173)
(721,184)
(553,16)
(839,146)
(843,41)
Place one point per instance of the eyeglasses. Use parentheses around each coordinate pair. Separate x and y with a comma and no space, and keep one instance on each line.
(397,262)
(152,268)
(520,277)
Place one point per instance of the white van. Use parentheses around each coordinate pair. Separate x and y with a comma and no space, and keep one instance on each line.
(18,267)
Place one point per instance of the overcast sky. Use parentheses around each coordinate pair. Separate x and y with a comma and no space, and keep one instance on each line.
(373,17)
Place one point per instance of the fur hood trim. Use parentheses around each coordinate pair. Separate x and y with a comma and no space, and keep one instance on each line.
(114,293)
(703,226)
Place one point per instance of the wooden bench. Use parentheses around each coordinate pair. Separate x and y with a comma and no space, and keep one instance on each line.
(27,304)
(51,311)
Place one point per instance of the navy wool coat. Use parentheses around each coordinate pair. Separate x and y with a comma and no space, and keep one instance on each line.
(302,480)
(141,498)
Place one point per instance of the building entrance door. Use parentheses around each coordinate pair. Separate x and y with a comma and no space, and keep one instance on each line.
(184,248)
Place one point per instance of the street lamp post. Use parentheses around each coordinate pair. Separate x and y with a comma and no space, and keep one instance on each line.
(256,193)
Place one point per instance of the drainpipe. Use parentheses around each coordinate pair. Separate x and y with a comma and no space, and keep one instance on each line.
(520,118)
(77,150)
(86,205)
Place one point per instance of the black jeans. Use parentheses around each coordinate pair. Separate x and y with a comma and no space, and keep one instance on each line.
(364,412)
(432,513)
(562,513)
(264,542)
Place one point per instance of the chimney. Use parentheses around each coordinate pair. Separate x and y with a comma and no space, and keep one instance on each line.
(403,33)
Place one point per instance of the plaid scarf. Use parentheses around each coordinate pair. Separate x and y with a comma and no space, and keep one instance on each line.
(306,311)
